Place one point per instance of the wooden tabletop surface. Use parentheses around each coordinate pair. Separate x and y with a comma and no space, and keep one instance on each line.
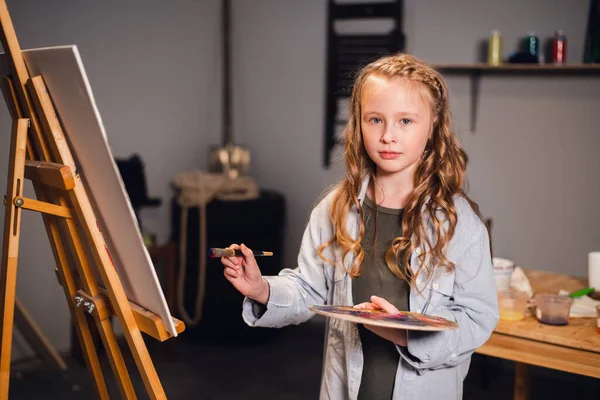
(580,333)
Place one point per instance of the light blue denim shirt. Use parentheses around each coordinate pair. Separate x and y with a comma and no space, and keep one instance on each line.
(434,364)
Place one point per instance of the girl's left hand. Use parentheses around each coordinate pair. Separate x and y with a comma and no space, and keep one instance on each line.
(397,336)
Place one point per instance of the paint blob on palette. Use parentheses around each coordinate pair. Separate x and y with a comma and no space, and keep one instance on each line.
(403,320)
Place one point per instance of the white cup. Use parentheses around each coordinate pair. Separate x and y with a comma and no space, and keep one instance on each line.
(503,270)
(594,270)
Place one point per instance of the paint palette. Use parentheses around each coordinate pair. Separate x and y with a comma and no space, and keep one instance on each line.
(404,320)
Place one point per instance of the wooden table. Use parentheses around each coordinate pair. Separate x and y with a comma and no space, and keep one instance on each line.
(572,348)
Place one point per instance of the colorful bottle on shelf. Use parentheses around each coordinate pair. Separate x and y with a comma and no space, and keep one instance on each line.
(532,44)
(559,48)
(495,48)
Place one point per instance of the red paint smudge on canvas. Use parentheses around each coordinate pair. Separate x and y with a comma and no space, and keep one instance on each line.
(110,258)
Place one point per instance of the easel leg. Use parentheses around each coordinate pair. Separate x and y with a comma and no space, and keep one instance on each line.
(105,328)
(10,250)
(75,351)
(69,286)
(10,96)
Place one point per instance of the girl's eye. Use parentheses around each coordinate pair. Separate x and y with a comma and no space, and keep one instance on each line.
(405,121)
(376,120)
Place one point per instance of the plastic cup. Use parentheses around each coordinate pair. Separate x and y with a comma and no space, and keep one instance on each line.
(552,309)
(512,305)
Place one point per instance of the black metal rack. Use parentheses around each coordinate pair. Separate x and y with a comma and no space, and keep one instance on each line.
(347,53)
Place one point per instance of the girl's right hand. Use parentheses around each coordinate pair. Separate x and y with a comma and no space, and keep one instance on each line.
(245,276)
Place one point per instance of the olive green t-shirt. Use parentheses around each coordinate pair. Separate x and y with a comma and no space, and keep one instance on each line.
(381,358)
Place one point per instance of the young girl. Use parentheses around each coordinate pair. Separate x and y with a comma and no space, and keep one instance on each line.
(398,233)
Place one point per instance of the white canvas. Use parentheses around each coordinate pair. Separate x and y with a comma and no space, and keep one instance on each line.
(67,83)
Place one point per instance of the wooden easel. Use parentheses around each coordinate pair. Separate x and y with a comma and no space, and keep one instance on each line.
(39,152)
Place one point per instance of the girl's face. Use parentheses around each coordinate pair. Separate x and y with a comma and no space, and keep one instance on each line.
(396,122)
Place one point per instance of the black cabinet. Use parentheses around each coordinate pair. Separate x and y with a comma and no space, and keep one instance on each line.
(257,223)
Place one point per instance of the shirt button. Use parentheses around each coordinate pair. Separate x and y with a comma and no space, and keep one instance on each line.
(435,286)
(453,355)
(419,281)
(418,250)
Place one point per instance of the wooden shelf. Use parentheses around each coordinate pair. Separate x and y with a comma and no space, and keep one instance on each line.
(475,71)
(523,68)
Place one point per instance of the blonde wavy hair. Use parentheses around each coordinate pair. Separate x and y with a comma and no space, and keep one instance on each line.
(439,175)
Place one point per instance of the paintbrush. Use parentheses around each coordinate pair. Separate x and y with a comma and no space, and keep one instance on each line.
(217,253)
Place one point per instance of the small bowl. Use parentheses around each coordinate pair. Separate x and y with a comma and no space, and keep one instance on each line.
(552,309)
(512,305)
